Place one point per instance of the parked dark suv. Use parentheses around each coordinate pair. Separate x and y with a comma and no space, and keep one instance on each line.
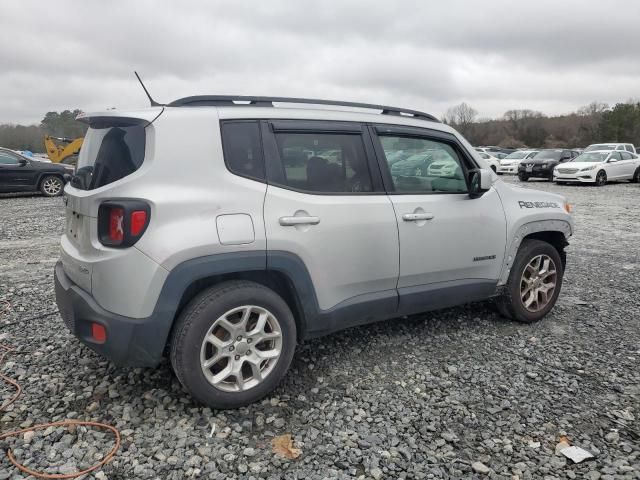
(541,165)
(22,174)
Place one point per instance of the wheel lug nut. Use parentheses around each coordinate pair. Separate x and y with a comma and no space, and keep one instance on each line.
(249,340)
(239,338)
(237,357)
(231,348)
(248,352)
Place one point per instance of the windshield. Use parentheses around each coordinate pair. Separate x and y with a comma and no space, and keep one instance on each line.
(548,155)
(516,156)
(591,157)
(109,154)
(599,146)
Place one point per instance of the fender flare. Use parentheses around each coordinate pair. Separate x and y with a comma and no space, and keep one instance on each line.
(561,226)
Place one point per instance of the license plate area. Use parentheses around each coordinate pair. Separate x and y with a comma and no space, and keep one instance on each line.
(75,227)
(529,168)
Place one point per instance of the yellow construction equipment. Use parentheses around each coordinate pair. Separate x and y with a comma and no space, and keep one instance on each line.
(63,150)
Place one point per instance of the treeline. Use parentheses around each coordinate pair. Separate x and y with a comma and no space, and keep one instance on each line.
(594,123)
(31,137)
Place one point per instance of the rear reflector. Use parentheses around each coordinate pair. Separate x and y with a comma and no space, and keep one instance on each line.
(116,225)
(98,332)
(138,222)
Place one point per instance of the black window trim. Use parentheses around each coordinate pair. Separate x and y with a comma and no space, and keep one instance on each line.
(260,142)
(273,162)
(377,130)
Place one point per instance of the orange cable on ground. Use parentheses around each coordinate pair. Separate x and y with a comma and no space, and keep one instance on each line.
(64,423)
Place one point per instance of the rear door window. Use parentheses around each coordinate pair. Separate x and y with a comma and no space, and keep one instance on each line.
(324,162)
(109,154)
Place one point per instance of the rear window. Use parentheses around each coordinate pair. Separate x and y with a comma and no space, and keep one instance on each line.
(109,154)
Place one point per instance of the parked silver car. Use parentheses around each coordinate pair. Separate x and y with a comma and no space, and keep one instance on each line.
(286,224)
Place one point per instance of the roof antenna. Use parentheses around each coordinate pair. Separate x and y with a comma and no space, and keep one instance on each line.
(153,102)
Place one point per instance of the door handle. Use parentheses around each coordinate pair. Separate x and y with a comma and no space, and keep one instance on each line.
(415,217)
(293,221)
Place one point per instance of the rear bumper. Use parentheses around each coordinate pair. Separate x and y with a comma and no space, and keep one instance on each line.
(131,342)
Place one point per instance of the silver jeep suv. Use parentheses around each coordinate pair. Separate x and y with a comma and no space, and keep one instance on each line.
(224,230)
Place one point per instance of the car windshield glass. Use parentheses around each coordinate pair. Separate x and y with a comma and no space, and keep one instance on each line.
(599,146)
(548,155)
(516,156)
(591,157)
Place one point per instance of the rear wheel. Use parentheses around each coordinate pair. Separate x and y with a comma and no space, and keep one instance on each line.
(601,178)
(636,176)
(233,344)
(534,282)
(523,177)
(51,186)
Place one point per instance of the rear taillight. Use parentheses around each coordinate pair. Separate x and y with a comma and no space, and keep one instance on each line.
(122,223)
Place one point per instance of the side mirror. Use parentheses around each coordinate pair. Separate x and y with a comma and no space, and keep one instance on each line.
(612,160)
(479,182)
(22,162)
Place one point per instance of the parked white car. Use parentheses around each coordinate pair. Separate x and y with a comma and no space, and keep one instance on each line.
(611,146)
(509,164)
(599,167)
(492,160)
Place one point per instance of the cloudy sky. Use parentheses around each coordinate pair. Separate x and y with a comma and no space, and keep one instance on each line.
(548,55)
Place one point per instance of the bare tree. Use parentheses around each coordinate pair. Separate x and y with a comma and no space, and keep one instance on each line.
(593,108)
(461,116)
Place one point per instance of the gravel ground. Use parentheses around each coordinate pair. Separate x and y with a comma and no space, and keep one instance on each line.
(424,397)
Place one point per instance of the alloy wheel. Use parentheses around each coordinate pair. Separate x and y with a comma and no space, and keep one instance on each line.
(241,348)
(52,186)
(538,283)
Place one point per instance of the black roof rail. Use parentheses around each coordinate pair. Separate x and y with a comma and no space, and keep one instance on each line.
(231,100)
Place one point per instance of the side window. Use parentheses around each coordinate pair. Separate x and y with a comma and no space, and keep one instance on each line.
(625,155)
(420,165)
(324,162)
(243,149)
(629,148)
(7,159)
(616,155)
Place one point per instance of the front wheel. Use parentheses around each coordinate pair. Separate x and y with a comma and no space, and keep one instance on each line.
(51,186)
(534,282)
(601,178)
(523,177)
(636,176)
(233,344)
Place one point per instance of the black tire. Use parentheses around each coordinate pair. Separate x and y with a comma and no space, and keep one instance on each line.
(601,178)
(636,176)
(561,183)
(510,303)
(195,321)
(523,177)
(51,185)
